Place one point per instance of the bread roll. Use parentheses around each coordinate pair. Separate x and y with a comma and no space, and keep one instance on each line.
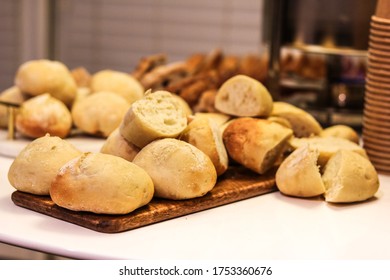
(243,96)
(43,114)
(186,108)
(327,146)
(349,177)
(121,83)
(37,164)
(99,113)
(204,133)
(157,115)
(12,95)
(341,131)
(299,175)
(102,184)
(303,124)
(219,118)
(255,143)
(37,77)
(116,145)
(178,169)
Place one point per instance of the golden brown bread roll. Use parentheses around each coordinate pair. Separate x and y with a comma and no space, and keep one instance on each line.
(118,82)
(255,143)
(204,133)
(38,163)
(43,114)
(99,113)
(101,183)
(349,177)
(178,169)
(157,115)
(243,96)
(117,145)
(41,76)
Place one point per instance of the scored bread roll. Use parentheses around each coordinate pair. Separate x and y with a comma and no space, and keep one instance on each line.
(101,183)
(157,115)
(204,133)
(341,131)
(42,76)
(327,146)
(349,177)
(118,82)
(256,143)
(43,114)
(99,113)
(243,96)
(117,145)
(302,123)
(178,169)
(38,163)
(299,175)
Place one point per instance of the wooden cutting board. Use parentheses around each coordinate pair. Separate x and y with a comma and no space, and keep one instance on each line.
(236,184)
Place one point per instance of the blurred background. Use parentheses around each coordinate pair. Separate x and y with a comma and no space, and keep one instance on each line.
(315,51)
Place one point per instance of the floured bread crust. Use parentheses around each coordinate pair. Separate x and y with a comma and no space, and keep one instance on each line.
(38,163)
(101,183)
(178,169)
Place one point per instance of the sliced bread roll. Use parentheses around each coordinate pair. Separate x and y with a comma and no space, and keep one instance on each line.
(204,133)
(102,184)
(327,146)
(178,169)
(256,143)
(302,123)
(38,163)
(43,114)
(299,175)
(157,115)
(349,177)
(117,145)
(243,96)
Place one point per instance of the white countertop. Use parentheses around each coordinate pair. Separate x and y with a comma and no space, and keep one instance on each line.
(271,226)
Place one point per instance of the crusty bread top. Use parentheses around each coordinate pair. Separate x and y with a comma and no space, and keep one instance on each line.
(119,82)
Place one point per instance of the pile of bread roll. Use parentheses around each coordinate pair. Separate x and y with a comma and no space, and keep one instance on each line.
(161,149)
(62,101)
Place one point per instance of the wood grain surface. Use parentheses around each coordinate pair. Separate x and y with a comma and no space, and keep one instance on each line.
(236,184)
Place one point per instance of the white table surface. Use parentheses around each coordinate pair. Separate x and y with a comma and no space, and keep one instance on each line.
(271,226)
